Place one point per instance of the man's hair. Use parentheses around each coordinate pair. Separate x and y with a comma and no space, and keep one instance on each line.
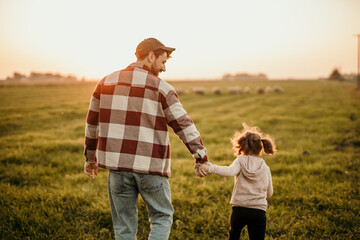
(157,53)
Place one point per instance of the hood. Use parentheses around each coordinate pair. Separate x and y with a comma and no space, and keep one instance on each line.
(252,168)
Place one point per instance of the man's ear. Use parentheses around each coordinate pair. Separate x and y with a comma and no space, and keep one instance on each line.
(151,57)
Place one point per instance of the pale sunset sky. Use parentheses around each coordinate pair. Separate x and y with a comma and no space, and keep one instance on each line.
(281,38)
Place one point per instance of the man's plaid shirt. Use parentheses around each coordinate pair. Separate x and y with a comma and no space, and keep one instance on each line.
(126,126)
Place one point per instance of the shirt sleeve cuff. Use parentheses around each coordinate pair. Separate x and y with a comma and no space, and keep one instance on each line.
(211,168)
(89,155)
(202,160)
(200,155)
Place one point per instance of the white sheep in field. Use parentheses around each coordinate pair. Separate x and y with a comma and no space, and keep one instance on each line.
(246,90)
(278,89)
(217,91)
(198,90)
(260,90)
(234,90)
(180,91)
(268,89)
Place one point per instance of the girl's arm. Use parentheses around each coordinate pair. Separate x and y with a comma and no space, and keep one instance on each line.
(270,187)
(225,171)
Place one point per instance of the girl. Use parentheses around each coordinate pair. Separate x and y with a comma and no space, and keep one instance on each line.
(253,184)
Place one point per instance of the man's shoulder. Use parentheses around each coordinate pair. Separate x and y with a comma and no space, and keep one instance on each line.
(151,80)
(114,77)
(111,78)
(165,87)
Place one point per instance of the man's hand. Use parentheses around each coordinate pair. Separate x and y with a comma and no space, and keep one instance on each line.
(201,169)
(90,169)
(205,167)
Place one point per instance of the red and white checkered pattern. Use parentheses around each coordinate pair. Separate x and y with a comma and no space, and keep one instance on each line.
(126,126)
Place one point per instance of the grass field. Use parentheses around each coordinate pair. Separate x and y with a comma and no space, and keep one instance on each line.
(45,195)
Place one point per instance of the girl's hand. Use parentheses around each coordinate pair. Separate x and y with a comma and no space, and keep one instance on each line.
(205,167)
(202,170)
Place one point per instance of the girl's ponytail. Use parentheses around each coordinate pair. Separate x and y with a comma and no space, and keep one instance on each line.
(251,142)
(269,146)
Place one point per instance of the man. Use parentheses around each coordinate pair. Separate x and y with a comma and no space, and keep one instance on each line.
(126,132)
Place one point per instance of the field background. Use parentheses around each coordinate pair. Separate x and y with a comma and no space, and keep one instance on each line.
(44,193)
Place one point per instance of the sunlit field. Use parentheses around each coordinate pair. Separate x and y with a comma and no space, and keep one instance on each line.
(44,193)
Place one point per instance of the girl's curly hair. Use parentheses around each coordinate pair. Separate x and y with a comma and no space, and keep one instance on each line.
(251,141)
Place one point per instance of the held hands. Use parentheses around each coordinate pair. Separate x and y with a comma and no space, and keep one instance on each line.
(202,169)
(90,169)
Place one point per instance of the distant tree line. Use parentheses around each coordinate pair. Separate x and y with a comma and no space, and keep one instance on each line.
(244,76)
(41,77)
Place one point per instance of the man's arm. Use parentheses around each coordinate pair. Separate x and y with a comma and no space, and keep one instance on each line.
(91,134)
(183,126)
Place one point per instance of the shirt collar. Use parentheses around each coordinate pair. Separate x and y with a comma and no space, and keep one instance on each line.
(139,65)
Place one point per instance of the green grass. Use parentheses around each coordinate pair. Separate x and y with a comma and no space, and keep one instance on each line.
(45,195)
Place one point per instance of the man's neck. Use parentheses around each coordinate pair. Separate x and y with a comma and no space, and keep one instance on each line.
(146,63)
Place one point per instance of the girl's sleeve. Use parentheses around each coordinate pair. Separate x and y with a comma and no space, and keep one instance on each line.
(270,187)
(226,171)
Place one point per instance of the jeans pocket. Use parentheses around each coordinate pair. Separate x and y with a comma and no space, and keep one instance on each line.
(116,182)
(152,183)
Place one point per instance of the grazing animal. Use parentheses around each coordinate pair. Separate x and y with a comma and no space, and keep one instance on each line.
(260,90)
(234,90)
(181,91)
(246,90)
(217,91)
(268,89)
(198,90)
(278,89)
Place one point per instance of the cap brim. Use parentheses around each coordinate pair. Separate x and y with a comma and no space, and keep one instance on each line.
(169,49)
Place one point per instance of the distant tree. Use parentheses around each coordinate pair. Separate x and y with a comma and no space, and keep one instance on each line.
(227,77)
(34,75)
(71,78)
(18,76)
(262,76)
(336,75)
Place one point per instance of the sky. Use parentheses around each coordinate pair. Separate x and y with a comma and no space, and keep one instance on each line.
(298,39)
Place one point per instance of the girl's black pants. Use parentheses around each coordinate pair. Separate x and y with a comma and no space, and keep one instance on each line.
(255,219)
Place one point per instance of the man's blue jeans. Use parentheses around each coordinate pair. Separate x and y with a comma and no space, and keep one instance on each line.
(124,188)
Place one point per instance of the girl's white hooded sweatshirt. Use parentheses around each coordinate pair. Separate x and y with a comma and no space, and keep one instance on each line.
(253,183)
